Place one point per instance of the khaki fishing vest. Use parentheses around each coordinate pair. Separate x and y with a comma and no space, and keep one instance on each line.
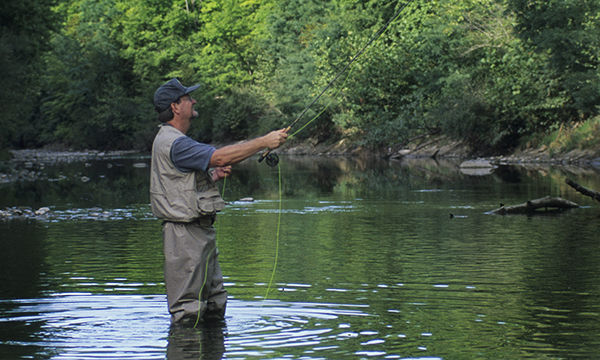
(175,195)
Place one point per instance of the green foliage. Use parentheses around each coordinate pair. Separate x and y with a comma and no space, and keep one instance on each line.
(582,136)
(24,31)
(288,72)
(569,32)
(88,103)
(499,90)
(486,71)
(232,117)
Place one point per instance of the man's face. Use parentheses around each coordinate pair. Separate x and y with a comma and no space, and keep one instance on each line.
(186,105)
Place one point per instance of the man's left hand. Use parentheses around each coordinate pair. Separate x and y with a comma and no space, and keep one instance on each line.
(221,172)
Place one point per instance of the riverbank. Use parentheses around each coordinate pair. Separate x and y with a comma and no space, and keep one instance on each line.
(26,164)
(443,148)
(440,156)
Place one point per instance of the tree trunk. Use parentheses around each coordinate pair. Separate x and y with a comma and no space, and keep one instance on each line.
(531,206)
(585,191)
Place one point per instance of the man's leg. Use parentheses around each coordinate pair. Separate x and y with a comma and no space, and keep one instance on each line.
(217,296)
(187,247)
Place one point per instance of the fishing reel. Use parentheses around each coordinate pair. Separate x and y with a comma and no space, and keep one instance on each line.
(270,158)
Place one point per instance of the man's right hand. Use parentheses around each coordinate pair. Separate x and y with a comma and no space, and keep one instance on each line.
(276,138)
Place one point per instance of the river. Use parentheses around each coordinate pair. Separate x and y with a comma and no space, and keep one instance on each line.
(375,260)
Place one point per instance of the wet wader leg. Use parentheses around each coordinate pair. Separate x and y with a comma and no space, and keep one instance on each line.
(217,296)
(187,247)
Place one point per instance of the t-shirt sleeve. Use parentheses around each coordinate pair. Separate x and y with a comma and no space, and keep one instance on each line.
(189,155)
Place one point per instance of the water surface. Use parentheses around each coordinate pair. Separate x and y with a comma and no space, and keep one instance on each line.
(375,259)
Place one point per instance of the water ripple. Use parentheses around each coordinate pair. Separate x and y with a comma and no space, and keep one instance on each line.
(89,326)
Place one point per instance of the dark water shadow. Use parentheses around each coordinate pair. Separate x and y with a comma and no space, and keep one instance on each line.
(206,341)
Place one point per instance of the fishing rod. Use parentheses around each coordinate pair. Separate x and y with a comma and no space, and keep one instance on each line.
(271,158)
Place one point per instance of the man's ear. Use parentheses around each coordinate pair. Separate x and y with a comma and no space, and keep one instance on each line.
(175,108)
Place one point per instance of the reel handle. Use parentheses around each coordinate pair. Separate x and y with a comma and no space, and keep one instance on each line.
(272,158)
(266,153)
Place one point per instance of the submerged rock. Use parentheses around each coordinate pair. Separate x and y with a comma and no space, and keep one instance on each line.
(42,211)
(477,164)
(95,213)
(17,212)
(477,167)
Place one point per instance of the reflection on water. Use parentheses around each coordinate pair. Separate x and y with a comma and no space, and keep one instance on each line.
(376,260)
(89,326)
(85,326)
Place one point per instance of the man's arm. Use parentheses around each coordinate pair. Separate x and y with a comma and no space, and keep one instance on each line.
(189,155)
(233,154)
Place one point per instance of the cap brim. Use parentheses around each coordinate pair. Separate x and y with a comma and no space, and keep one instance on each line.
(191,88)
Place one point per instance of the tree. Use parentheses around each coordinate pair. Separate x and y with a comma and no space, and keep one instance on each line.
(24,32)
(569,31)
(90,99)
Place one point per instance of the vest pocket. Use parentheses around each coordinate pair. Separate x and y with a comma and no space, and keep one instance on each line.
(210,205)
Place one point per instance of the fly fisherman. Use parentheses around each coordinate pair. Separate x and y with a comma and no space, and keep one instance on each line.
(183,194)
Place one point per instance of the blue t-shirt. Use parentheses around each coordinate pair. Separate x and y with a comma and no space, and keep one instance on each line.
(189,155)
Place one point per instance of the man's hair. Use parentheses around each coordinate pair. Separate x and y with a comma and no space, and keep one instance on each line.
(167,114)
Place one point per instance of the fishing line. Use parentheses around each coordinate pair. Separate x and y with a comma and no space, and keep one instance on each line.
(276,234)
(217,234)
(323,110)
(208,260)
(274,162)
(352,60)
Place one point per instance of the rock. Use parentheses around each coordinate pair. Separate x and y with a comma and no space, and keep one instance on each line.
(401,153)
(477,171)
(42,211)
(477,164)
(477,167)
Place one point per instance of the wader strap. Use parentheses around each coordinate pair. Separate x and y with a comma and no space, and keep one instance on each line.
(203,221)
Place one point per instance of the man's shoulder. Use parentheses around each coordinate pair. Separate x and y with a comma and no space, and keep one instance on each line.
(169,129)
(168,134)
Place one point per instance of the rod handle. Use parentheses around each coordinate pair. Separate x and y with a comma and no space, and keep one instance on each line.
(268,151)
(264,155)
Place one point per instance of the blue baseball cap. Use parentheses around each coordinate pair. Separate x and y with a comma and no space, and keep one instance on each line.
(169,93)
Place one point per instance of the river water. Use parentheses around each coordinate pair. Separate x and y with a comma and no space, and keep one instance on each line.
(374,260)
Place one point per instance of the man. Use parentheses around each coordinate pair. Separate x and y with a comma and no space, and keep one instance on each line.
(183,194)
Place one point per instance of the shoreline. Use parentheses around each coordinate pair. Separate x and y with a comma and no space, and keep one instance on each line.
(434,147)
(441,151)
(437,147)
(29,164)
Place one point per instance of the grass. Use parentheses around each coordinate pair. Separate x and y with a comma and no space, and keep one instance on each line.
(580,136)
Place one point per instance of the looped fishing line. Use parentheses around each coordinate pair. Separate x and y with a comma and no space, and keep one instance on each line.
(276,234)
(380,32)
(218,232)
(208,261)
